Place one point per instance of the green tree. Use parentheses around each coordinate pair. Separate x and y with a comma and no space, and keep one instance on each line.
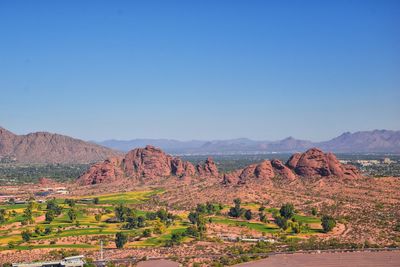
(281,222)
(314,211)
(48,230)
(28,219)
(159,228)
(26,235)
(236,211)
(146,233)
(3,213)
(52,205)
(262,216)
(98,217)
(120,239)
(72,215)
(287,211)
(328,223)
(38,230)
(96,200)
(248,215)
(193,217)
(176,239)
(70,202)
(50,215)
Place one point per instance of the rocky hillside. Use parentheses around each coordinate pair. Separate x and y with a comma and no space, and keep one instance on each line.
(145,164)
(43,147)
(152,164)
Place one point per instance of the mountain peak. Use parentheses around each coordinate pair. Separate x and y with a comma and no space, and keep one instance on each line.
(45,147)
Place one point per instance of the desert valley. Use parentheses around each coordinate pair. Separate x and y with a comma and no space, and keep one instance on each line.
(173,133)
(147,204)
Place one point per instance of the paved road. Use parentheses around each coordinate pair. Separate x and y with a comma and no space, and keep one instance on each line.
(158,263)
(340,259)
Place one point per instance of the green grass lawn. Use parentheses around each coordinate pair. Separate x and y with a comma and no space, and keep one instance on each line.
(258,226)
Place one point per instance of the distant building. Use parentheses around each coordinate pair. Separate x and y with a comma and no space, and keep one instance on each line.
(74,261)
(62,192)
(387,161)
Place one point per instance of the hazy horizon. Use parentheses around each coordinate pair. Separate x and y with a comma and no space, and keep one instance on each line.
(201,70)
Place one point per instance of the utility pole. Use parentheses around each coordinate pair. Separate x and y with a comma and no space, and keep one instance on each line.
(101,250)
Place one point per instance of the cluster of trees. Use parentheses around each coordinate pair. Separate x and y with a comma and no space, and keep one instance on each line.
(53,210)
(133,221)
(5,216)
(39,231)
(129,216)
(237,211)
(28,173)
(285,219)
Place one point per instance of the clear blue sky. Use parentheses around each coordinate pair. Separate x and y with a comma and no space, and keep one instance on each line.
(199,69)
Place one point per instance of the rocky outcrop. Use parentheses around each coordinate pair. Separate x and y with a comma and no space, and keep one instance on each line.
(143,164)
(152,162)
(312,163)
(292,162)
(43,147)
(266,170)
(107,171)
(315,163)
(282,170)
(209,168)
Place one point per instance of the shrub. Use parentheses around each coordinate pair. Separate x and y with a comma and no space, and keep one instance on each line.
(328,223)
(287,211)
(120,239)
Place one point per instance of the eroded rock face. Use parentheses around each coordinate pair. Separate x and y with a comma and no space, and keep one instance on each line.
(292,162)
(314,162)
(266,170)
(147,163)
(262,170)
(282,170)
(107,171)
(209,168)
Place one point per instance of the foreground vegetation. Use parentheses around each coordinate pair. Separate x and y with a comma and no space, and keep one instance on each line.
(115,219)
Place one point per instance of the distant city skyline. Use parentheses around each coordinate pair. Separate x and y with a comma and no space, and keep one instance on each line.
(204,70)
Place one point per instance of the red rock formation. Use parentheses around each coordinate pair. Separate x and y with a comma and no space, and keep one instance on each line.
(266,170)
(231,178)
(314,162)
(282,170)
(292,162)
(148,163)
(209,168)
(103,172)
(262,170)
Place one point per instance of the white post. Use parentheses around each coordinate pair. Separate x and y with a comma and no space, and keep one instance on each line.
(101,250)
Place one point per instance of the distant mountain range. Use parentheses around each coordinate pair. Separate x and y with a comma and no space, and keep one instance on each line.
(376,141)
(43,147)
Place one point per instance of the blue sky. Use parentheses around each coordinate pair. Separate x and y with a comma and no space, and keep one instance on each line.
(199,69)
